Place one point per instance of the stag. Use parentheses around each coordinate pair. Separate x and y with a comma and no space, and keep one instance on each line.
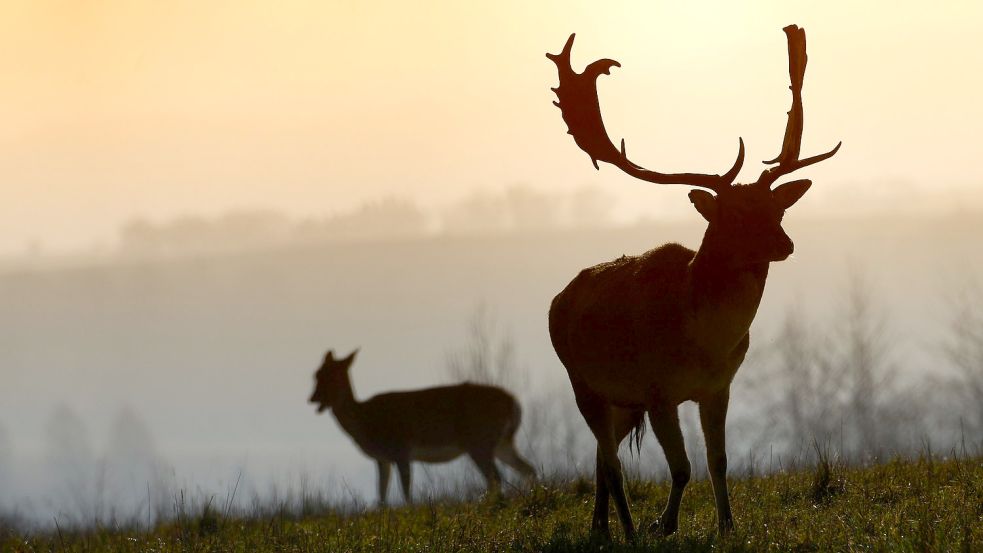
(642,334)
(434,425)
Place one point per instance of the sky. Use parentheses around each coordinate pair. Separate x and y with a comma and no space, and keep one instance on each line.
(113,109)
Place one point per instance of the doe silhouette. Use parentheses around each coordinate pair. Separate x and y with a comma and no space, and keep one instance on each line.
(434,425)
(642,334)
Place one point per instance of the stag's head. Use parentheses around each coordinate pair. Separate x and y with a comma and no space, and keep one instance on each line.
(744,219)
(330,380)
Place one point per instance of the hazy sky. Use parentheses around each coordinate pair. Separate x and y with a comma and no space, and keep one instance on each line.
(113,108)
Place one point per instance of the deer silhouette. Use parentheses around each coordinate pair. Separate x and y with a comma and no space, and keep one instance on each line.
(642,334)
(434,425)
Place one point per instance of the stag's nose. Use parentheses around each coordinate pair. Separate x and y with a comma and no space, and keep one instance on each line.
(783,248)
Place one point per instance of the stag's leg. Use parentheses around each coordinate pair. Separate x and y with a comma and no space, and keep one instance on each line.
(405,480)
(623,422)
(508,455)
(599,523)
(485,461)
(713,416)
(384,471)
(599,418)
(665,423)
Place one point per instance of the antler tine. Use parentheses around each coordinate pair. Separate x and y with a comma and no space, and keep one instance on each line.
(788,160)
(581,110)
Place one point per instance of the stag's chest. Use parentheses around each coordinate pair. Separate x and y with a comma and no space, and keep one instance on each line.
(722,313)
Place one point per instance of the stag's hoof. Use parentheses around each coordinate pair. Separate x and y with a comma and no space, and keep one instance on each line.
(600,535)
(725,528)
(600,532)
(662,529)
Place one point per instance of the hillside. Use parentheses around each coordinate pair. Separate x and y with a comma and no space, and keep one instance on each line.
(925,505)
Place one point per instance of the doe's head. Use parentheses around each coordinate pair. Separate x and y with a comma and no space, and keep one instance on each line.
(330,380)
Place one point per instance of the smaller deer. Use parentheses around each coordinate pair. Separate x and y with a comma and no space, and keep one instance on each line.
(435,425)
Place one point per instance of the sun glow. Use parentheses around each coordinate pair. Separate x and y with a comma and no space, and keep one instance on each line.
(112,109)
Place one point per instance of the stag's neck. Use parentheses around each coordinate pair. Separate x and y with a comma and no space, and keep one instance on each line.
(348,411)
(725,298)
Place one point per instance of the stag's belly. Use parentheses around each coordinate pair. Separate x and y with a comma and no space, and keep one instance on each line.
(441,454)
(664,375)
(624,330)
(643,361)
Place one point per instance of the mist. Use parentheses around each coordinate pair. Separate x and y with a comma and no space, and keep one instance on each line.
(134,378)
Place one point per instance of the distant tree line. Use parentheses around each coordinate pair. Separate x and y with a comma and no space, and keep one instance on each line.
(127,483)
(516,209)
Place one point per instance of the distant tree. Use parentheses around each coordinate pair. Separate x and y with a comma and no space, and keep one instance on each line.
(388,218)
(72,464)
(135,467)
(488,355)
(529,209)
(964,352)
(6,454)
(837,384)
(590,207)
(524,208)
(232,231)
(802,390)
(479,213)
(862,355)
(140,237)
(554,436)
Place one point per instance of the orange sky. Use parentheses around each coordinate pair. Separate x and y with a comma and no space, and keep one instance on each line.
(110,109)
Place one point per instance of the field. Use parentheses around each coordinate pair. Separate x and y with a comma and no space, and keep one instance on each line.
(921,505)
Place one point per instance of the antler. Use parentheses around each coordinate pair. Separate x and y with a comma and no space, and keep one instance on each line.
(581,110)
(788,160)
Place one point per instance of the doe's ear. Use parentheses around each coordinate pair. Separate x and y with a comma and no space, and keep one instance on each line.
(790,192)
(705,203)
(350,359)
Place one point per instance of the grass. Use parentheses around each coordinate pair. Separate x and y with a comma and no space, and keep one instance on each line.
(920,505)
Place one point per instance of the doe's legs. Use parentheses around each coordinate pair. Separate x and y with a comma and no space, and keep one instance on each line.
(485,461)
(507,454)
(405,480)
(385,467)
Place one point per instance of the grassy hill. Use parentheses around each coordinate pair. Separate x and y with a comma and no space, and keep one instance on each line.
(924,505)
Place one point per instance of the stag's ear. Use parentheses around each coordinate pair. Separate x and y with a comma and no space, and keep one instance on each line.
(705,203)
(790,192)
(329,356)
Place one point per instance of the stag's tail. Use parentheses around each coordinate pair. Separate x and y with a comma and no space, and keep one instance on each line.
(636,434)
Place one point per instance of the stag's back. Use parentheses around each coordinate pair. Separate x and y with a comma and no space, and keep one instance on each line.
(616,318)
